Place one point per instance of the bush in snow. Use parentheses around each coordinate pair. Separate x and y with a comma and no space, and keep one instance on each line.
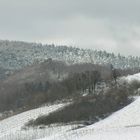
(89,108)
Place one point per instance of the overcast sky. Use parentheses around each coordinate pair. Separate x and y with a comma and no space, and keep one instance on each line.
(112,25)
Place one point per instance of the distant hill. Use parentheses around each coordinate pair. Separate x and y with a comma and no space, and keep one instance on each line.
(15,55)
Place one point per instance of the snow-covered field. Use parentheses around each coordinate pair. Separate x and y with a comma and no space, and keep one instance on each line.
(121,125)
(11,128)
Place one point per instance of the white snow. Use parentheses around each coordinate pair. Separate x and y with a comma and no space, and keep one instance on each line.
(132,77)
(122,125)
(126,117)
(12,126)
(119,134)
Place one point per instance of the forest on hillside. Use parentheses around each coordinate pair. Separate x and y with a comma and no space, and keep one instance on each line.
(52,81)
(16,55)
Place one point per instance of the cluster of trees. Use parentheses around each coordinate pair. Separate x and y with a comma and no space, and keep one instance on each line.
(74,85)
(71,81)
(85,80)
(37,87)
(88,109)
(36,93)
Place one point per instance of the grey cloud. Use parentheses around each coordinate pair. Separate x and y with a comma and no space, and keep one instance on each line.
(102,24)
(66,8)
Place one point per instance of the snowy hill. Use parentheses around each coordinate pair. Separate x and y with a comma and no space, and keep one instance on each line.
(132,77)
(121,125)
(10,128)
(16,55)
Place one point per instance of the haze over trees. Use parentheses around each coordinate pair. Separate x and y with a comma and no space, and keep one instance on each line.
(16,55)
(53,80)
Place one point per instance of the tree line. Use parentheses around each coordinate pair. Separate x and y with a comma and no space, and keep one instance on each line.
(72,81)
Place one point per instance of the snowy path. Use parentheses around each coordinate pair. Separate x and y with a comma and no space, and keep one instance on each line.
(12,125)
(119,134)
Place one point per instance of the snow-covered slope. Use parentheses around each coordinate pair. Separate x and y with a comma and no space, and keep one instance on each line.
(122,125)
(10,128)
(127,117)
(132,77)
